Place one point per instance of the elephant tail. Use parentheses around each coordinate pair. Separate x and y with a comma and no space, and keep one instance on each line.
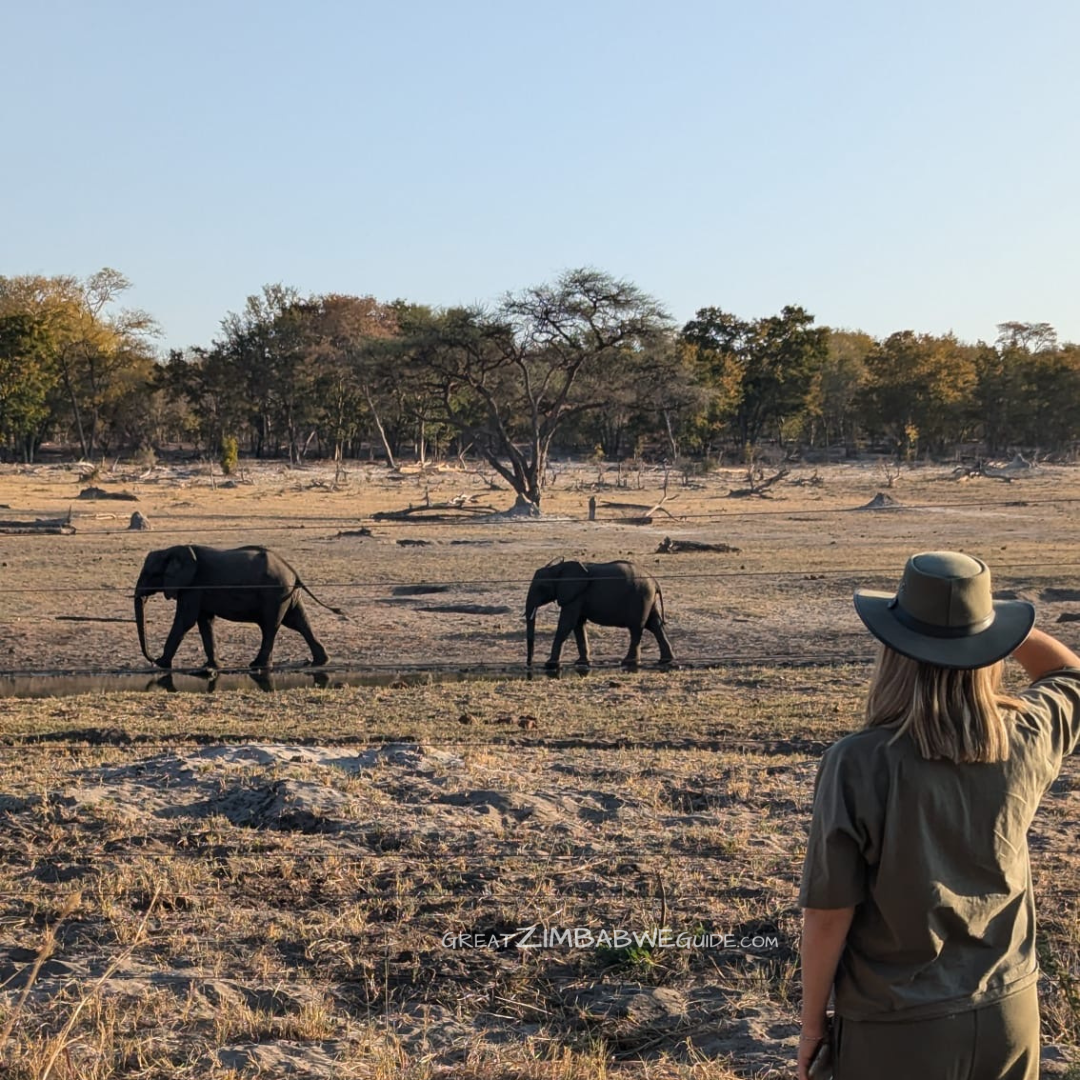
(336,610)
(660,600)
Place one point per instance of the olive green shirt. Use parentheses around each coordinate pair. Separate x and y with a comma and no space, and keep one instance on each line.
(933,856)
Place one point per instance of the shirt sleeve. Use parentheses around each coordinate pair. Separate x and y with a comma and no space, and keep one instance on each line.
(836,869)
(1054,700)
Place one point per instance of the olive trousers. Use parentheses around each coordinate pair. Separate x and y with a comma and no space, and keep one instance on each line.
(994,1042)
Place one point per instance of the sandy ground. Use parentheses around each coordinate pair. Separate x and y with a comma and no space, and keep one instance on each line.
(335,882)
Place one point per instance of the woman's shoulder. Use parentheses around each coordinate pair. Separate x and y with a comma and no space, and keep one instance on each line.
(866,741)
(862,752)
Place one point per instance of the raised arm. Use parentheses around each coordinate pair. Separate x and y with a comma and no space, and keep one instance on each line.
(1039,654)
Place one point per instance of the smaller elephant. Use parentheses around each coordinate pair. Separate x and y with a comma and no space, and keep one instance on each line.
(608,594)
(247,584)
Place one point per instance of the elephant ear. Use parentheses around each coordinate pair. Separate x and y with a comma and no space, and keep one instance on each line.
(179,571)
(573,581)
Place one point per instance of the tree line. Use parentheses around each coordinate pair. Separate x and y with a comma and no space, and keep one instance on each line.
(586,364)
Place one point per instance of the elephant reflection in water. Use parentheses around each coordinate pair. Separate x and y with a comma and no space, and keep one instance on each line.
(264,680)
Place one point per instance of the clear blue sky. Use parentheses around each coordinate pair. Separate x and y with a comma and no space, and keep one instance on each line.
(890,166)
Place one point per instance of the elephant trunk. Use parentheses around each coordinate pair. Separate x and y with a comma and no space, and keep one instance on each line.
(535,598)
(141,595)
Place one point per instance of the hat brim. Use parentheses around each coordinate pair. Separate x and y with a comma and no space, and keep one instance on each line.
(1013,620)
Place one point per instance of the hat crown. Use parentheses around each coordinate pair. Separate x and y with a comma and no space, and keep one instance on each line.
(945,614)
(946,590)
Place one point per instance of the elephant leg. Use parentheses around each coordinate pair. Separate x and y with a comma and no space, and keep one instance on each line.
(633,655)
(568,620)
(655,626)
(582,639)
(296,619)
(206,632)
(269,629)
(186,617)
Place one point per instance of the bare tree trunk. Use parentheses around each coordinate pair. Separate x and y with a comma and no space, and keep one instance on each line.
(672,441)
(381,430)
(293,437)
(72,397)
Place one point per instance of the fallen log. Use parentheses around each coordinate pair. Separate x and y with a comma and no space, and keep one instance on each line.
(675,547)
(758,487)
(1057,595)
(446,511)
(101,493)
(40,527)
(649,510)
(975,472)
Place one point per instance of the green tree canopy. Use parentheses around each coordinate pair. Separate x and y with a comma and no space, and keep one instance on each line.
(26,380)
(759,372)
(95,356)
(919,388)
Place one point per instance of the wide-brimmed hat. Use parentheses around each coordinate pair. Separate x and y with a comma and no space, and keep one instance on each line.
(944,613)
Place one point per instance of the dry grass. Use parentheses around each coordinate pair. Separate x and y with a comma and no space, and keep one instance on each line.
(228,884)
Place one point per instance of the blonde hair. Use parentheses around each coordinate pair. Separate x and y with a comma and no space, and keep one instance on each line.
(950,714)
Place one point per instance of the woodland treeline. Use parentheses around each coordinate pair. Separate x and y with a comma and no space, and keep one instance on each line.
(587,364)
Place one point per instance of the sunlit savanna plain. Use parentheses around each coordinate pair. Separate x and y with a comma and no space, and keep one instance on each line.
(221,883)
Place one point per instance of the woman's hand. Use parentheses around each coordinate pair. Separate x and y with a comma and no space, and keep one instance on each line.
(809,1044)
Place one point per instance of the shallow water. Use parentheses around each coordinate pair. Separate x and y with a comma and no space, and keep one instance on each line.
(66,684)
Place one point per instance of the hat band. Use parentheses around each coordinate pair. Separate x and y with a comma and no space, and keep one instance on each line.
(908,620)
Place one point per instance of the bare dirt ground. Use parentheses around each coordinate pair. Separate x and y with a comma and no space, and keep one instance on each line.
(338,881)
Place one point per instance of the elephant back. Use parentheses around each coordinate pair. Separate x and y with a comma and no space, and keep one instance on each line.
(631,571)
(272,568)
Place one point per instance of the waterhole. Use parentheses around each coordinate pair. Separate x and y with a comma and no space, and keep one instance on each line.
(67,684)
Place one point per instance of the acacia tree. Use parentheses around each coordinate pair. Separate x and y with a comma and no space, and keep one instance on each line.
(506,381)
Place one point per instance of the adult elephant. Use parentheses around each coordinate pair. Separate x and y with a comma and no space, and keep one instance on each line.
(608,594)
(247,584)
